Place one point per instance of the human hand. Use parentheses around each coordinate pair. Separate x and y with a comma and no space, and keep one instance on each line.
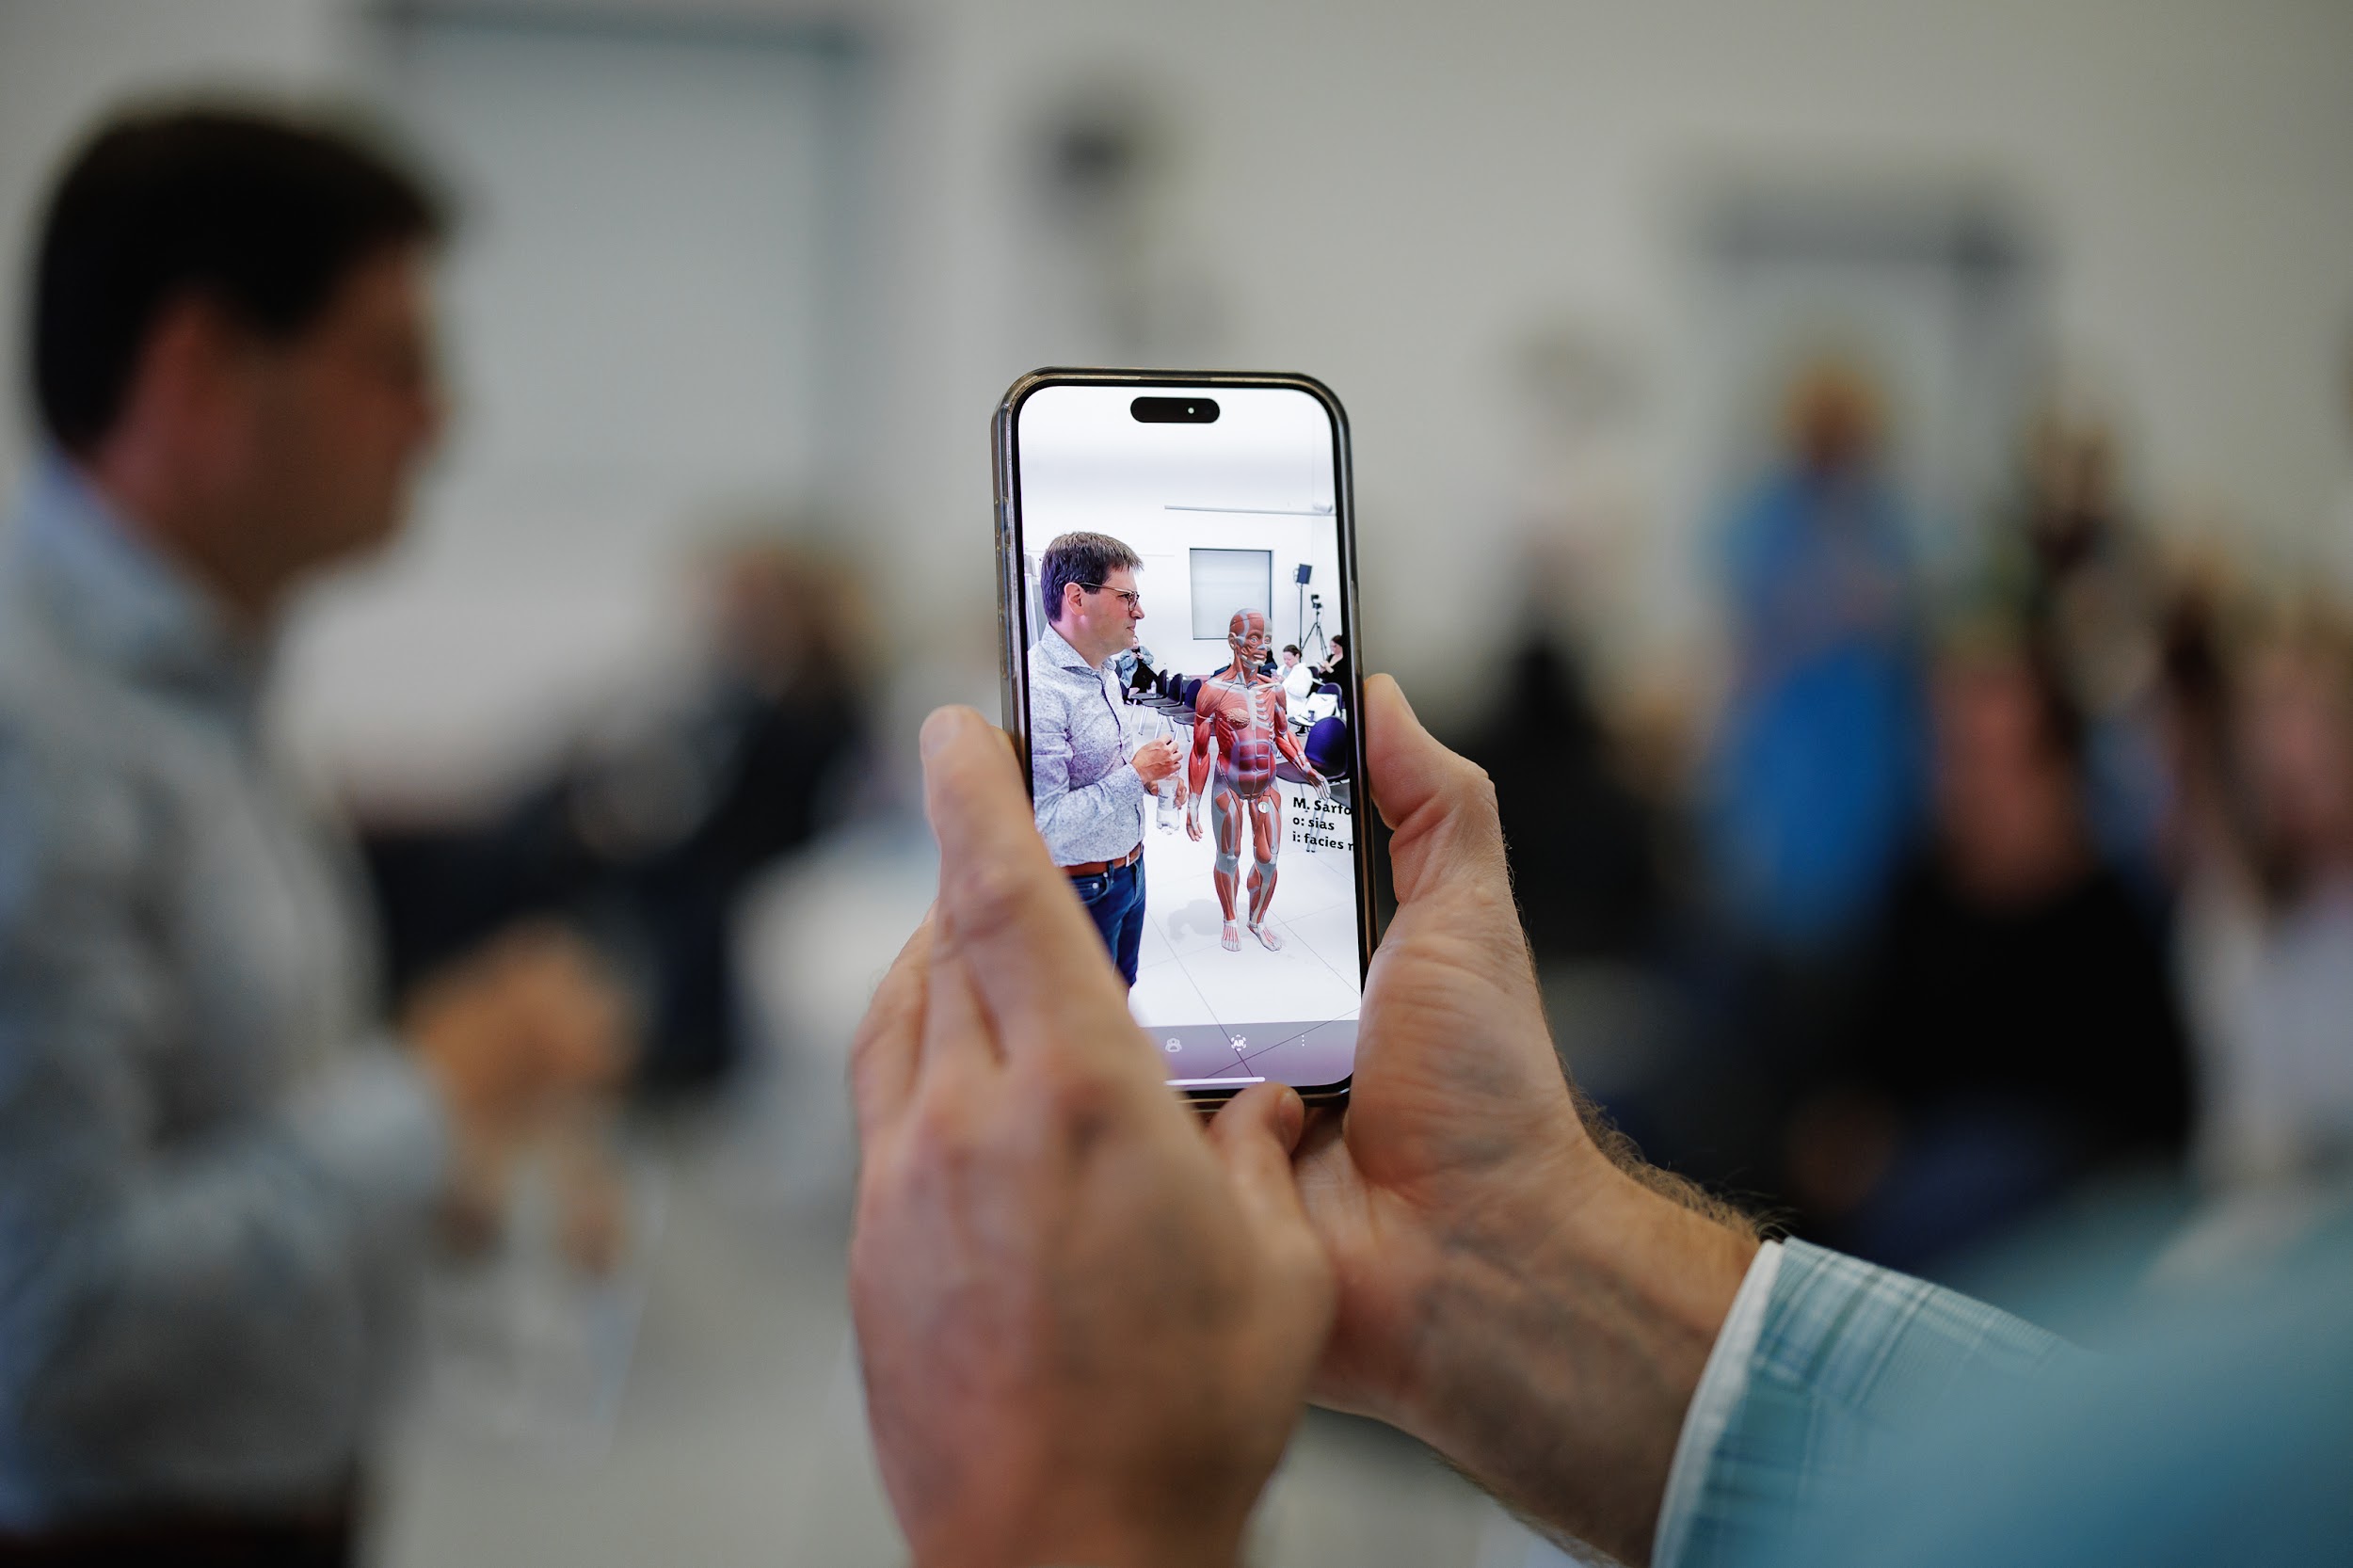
(1156,760)
(1508,1292)
(1086,1325)
(1192,825)
(516,1030)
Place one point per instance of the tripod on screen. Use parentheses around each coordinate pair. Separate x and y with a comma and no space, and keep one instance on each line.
(1315,628)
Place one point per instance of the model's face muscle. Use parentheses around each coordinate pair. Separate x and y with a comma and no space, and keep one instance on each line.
(1246,634)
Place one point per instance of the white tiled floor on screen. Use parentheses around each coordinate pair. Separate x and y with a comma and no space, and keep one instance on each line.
(1185,976)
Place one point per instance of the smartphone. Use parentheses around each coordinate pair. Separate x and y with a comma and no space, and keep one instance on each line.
(1177,598)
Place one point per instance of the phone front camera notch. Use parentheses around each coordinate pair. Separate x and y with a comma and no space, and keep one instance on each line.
(1174,410)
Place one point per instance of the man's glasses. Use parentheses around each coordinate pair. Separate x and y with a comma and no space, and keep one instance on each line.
(1127,596)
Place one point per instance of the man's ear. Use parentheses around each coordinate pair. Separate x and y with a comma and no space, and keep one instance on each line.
(182,396)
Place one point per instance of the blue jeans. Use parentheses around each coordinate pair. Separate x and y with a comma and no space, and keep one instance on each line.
(1115,901)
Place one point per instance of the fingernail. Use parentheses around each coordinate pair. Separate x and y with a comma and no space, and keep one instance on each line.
(940,729)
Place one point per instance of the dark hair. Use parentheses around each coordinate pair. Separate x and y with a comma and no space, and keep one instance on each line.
(1290,648)
(1082,558)
(266,215)
(1340,639)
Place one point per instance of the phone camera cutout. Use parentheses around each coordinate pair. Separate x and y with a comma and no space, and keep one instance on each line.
(1174,410)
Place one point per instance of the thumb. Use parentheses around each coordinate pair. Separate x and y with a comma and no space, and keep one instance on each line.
(1440,807)
(1252,1136)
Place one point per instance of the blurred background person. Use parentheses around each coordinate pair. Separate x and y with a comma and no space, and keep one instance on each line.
(1815,780)
(652,830)
(2266,936)
(2016,1035)
(216,1166)
(1334,670)
(1297,679)
(1811,784)
(2073,563)
(1584,842)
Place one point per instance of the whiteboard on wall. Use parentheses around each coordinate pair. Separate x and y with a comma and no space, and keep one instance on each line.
(1228,580)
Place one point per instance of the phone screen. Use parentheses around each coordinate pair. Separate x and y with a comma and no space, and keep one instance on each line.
(1182,550)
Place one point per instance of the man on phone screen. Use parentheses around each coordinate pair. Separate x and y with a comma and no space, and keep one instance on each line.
(1090,795)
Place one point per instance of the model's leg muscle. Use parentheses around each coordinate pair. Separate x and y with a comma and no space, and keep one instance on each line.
(1226,816)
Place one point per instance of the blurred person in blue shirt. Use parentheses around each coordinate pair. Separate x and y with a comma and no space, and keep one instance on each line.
(1816,777)
(215,1170)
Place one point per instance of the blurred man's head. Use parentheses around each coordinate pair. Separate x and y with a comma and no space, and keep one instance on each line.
(1831,418)
(231,337)
(2008,775)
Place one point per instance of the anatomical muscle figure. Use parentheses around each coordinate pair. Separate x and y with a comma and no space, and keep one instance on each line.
(1244,713)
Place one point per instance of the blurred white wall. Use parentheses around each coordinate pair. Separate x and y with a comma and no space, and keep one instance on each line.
(1397,197)
(640,318)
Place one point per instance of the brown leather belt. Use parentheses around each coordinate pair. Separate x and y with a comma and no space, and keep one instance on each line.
(1096,868)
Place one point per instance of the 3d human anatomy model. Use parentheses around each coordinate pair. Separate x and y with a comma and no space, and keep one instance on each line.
(1243,715)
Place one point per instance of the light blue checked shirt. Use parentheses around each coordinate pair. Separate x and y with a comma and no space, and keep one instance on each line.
(212,1181)
(1851,1418)
(1090,803)
(1820,1362)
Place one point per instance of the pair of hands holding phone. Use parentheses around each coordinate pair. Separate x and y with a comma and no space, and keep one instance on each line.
(1088,1325)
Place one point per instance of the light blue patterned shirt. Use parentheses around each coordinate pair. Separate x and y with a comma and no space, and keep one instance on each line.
(212,1180)
(1853,1418)
(1090,803)
(1823,1361)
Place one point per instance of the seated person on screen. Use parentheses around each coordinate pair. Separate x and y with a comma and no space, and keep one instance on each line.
(1297,679)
